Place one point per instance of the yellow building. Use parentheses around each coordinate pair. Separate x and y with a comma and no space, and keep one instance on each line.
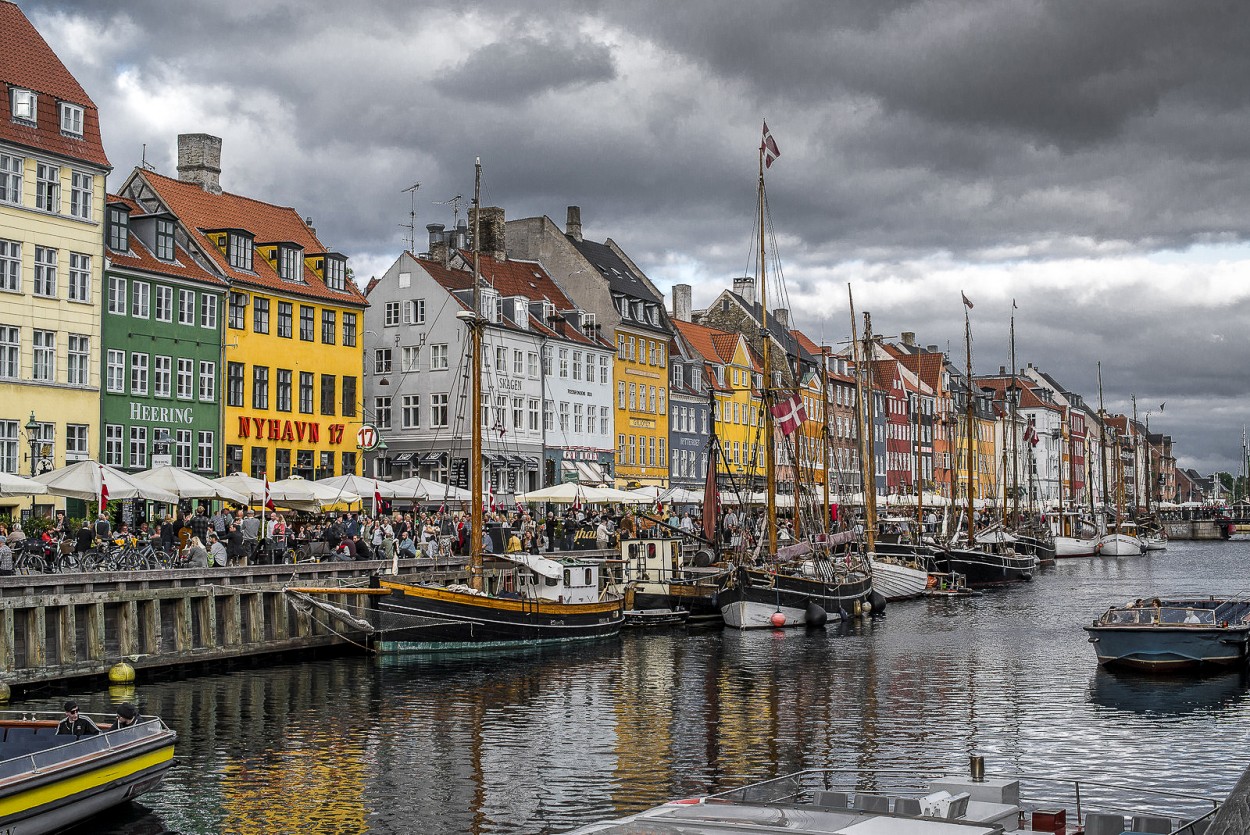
(292,347)
(736,416)
(641,375)
(52,170)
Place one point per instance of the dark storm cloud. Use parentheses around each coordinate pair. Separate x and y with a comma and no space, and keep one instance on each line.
(1001,146)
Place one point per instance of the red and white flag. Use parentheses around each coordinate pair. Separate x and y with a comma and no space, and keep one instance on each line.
(377,496)
(768,147)
(104,490)
(1030,433)
(268,498)
(965,298)
(790,414)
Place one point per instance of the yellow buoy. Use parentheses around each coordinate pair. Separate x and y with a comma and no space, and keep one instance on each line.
(121,673)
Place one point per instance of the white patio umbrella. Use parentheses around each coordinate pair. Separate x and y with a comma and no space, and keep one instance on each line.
(569,492)
(364,487)
(297,488)
(82,481)
(254,489)
(611,494)
(649,491)
(188,485)
(680,495)
(15,485)
(427,489)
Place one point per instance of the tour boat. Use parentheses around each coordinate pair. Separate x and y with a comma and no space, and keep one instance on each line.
(1163,635)
(49,782)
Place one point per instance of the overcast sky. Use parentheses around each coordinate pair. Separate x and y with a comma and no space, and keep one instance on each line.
(1089,160)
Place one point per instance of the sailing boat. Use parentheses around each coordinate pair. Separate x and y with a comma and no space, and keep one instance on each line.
(989,563)
(527,599)
(803,583)
(1117,543)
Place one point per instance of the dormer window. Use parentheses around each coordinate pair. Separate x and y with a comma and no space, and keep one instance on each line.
(291,263)
(336,273)
(164,239)
(24,104)
(71,119)
(119,229)
(241,248)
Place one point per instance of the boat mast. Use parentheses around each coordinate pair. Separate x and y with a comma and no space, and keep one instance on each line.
(919,467)
(1136,471)
(969,419)
(1102,448)
(824,406)
(1015,454)
(476,323)
(863,419)
(770,465)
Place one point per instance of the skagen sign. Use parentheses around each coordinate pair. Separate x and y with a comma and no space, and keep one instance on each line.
(161,414)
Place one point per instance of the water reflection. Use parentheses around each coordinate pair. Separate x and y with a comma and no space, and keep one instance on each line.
(544,741)
(1167,695)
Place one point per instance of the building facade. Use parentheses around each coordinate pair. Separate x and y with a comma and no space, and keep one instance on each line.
(291,353)
(161,346)
(52,195)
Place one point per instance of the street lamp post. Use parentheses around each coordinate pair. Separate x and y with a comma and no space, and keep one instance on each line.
(32,427)
(381,456)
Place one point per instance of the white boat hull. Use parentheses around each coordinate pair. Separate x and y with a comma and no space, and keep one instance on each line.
(1071,546)
(896,580)
(1120,545)
(1155,543)
(746,614)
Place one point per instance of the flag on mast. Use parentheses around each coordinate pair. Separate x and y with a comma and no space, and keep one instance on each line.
(790,414)
(965,298)
(268,498)
(104,490)
(768,147)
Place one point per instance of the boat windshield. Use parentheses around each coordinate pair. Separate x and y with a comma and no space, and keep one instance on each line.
(1165,614)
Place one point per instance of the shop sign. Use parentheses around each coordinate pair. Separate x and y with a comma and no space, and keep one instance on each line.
(271,429)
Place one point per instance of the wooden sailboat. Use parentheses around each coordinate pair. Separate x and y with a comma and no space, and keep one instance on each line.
(803,584)
(989,563)
(1116,542)
(525,599)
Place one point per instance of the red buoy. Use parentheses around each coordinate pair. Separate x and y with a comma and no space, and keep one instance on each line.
(778,619)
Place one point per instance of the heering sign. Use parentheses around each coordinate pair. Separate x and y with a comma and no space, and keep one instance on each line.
(272,429)
(160,414)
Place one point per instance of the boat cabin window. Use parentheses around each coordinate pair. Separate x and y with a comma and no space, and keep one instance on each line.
(650,549)
(633,549)
(590,580)
(568,578)
(552,581)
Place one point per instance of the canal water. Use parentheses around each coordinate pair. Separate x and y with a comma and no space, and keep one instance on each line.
(546,741)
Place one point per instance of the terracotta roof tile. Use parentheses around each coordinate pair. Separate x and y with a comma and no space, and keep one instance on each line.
(200,211)
(139,257)
(27,61)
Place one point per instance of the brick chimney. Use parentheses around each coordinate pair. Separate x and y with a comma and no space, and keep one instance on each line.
(908,338)
(745,287)
(199,160)
(681,302)
(494,241)
(438,243)
(782,317)
(573,223)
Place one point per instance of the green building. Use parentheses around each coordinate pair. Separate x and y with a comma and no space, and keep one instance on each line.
(161,344)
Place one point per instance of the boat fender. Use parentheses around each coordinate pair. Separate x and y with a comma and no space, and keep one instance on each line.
(777,619)
(858,608)
(866,608)
(815,615)
(878,602)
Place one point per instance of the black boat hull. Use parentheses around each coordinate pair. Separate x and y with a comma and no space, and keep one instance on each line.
(757,597)
(983,568)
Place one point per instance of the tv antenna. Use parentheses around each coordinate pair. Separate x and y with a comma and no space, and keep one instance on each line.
(411,225)
(454,202)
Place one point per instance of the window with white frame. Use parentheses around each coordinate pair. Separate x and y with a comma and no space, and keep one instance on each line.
(11,266)
(204,447)
(578,418)
(564,362)
(140,292)
(392,315)
(518,363)
(77,441)
(182,449)
(79,359)
(186,307)
(563,409)
(411,358)
(547,359)
(44,368)
(382,361)
(71,119)
(163,304)
(12,167)
(164,239)
(532,364)
(438,410)
(162,376)
(139,447)
(241,248)
(47,187)
(10,352)
(81,186)
(501,360)
(605,420)
(382,412)
(79,277)
(45,271)
(24,104)
(186,379)
(114,439)
(208,311)
(577,365)
(291,263)
(438,357)
(8,446)
(115,372)
(410,411)
(605,375)
(336,273)
(533,411)
(208,381)
(518,413)
(139,374)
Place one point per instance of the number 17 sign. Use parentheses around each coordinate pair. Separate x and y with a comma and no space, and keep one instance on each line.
(367,437)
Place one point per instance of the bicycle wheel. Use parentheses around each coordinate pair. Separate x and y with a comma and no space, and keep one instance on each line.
(70,563)
(27,563)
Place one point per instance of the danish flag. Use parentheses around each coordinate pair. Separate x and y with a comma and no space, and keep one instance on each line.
(377,496)
(768,147)
(790,414)
(1030,433)
(268,498)
(104,490)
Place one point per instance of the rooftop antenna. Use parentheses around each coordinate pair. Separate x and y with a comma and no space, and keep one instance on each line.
(143,159)
(454,202)
(411,225)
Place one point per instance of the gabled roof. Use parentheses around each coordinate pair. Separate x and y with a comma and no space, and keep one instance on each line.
(789,343)
(713,345)
(518,277)
(805,343)
(200,212)
(139,257)
(927,366)
(620,277)
(28,62)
